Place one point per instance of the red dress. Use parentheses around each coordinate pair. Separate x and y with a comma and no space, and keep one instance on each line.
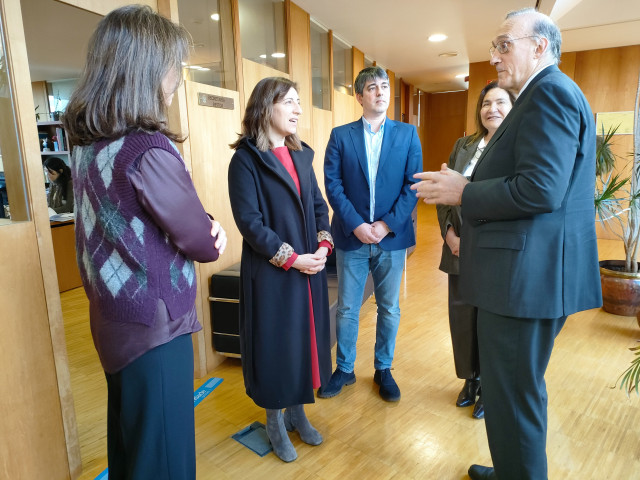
(282,154)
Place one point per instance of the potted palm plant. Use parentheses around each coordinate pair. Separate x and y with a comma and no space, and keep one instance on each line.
(630,378)
(617,202)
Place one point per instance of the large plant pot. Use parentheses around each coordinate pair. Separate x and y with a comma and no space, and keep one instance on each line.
(620,289)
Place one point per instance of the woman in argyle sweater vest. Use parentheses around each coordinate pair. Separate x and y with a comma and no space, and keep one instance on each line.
(139,227)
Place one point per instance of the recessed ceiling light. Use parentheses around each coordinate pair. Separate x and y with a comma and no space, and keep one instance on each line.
(462,75)
(264,55)
(437,37)
(215,17)
(448,54)
(278,55)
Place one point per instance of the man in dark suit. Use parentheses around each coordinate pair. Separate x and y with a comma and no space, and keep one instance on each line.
(369,167)
(528,245)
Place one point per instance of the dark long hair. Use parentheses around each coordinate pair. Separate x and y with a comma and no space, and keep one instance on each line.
(257,115)
(120,90)
(481,130)
(57,165)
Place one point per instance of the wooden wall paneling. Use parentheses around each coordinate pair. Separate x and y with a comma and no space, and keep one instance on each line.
(167,8)
(392,92)
(410,109)
(211,132)
(480,73)
(299,42)
(357,61)
(445,125)
(343,108)
(422,128)
(568,64)
(331,89)
(229,62)
(237,45)
(40,99)
(39,434)
(609,77)
(321,131)
(254,72)
(102,7)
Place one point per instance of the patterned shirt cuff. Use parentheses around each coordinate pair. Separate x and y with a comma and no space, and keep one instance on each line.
(325,236)
(282,255)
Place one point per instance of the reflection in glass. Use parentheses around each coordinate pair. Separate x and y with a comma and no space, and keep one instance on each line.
(342,66)
(263,33)
(59,92)
(212,60)
(321,84)
(13,198)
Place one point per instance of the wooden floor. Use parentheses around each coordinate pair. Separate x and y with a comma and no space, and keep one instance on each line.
(593,428)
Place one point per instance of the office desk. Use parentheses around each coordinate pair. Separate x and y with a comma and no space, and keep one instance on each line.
(64,251)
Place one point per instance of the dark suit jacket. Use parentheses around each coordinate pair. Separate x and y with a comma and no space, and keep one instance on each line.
(451,215)
(528,244)
(347,183)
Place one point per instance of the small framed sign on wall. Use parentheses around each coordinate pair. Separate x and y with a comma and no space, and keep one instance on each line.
(622,120)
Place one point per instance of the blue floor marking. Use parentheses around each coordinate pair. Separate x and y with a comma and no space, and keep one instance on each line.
(104,475)
(199,395)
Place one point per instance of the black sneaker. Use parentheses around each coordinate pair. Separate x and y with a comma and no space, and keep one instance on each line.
(389,390)
(338,380)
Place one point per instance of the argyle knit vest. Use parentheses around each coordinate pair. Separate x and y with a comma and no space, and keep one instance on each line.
(126,261)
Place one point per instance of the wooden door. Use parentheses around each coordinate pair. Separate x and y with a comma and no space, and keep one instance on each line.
(211,130)
(37,423)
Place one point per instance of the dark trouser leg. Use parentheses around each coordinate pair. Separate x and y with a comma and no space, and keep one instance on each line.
(151,431)
(514,354)
(464,333)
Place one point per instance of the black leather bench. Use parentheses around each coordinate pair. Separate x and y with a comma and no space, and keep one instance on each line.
(224,294)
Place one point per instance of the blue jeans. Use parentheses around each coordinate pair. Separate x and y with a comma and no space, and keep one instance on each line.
(353,268)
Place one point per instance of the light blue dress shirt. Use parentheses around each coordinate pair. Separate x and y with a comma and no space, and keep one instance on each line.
(373,146)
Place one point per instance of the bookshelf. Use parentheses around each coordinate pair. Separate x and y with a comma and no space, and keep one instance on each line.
(56,140)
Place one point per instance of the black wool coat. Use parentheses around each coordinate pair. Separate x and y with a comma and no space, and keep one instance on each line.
(274,303)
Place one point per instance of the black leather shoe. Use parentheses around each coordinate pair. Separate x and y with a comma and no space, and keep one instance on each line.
(478,410)
(479,472)
(389,390)
(467,396)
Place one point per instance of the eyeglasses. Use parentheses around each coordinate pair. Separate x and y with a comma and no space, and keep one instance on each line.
(503,46)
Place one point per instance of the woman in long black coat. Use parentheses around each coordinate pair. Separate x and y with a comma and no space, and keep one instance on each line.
(284,308)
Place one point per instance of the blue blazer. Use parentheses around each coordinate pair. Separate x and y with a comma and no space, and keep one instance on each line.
(346,179)
(528,246)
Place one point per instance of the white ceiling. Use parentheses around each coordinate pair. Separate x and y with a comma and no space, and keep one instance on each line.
(394,34)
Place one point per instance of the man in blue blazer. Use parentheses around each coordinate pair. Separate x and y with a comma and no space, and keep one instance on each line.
(528,245)
(369,167)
